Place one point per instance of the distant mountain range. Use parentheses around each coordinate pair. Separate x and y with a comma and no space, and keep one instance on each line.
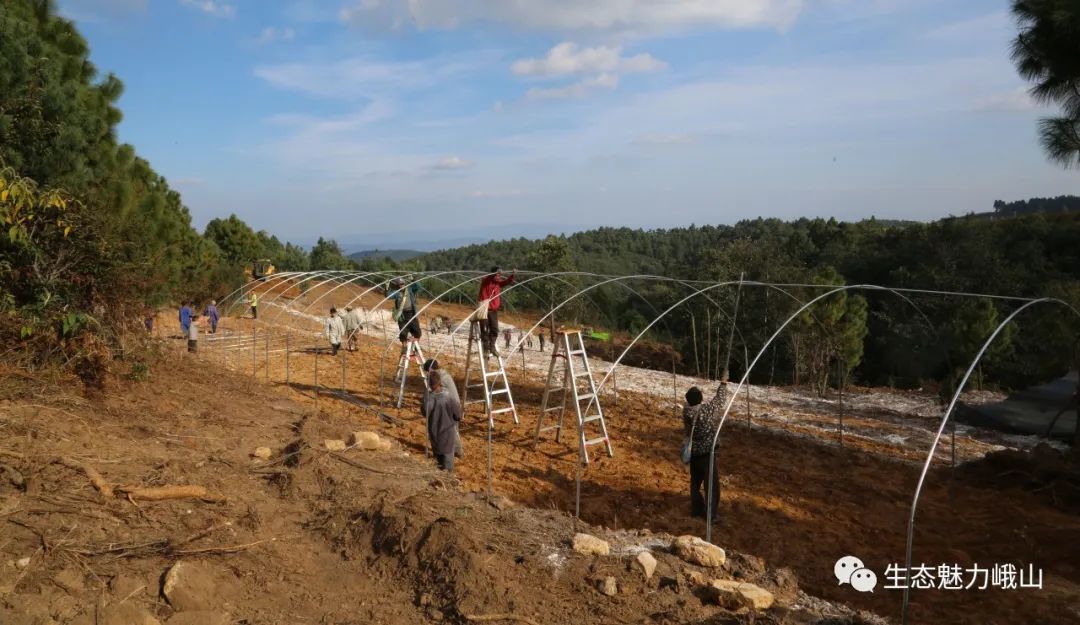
(395,255)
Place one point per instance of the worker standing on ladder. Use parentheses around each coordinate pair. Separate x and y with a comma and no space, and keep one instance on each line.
(490,288)
(405,309)
(700,423)
(335,330)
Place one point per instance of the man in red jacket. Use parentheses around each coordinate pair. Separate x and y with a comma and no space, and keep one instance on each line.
(490,288)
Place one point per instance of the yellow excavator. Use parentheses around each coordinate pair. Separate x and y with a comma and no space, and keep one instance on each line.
(259,269)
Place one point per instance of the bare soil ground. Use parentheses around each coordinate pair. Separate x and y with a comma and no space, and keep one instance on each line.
(789,493)
(307,536)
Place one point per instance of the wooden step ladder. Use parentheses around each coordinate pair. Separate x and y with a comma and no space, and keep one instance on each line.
(575,383)
(493,380)
(410,353)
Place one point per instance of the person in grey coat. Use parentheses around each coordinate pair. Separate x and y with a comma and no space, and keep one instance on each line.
(443,414)
(451,388)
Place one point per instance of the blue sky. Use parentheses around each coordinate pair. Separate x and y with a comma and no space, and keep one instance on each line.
(383,121)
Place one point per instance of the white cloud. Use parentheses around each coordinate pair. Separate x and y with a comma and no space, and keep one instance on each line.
(211,7)
(576,15)
(271,34)
(575,90)
(362,76)
(567,59)
(1013,101)
(452,163)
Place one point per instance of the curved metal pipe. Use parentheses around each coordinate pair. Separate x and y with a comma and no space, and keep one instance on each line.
(941,429)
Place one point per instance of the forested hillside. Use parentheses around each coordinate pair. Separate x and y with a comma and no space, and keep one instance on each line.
(1022,256)
(92,234)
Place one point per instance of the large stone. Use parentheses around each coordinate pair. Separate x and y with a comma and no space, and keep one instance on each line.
(697,551)
(758,597)
(607,586)
(368,441)
(735,595)
(190,586)
(199,618)
(262,453)
(647,563)
(590,545)
(335,445)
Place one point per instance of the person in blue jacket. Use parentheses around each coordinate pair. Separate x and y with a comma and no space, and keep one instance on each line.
(185,318)
(211,314)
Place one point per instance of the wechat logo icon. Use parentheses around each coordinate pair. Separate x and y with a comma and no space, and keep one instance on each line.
(851,570)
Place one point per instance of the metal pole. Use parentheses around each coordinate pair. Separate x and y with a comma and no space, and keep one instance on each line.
(267,359)
(344,354)
(840,388)
(253,357)
(490,462)
(746,360)
(316,385)
(731,335)
(287,333)
(577,487)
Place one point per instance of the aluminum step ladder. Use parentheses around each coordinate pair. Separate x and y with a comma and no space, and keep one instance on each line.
(574,382)
(493,380)
(410,353)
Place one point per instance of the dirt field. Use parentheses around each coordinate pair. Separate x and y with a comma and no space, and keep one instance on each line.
(789,494)
(303,537)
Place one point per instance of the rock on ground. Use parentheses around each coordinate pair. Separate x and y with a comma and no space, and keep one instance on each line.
(365,440)
(607,586)
(590,545)
(190,586)
(262,453)
(647,563)
(335,445)
(733,595)
(697,551)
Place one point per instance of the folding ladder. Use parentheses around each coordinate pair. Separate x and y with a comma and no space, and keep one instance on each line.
(575,367)
(494,381)
(410,352)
